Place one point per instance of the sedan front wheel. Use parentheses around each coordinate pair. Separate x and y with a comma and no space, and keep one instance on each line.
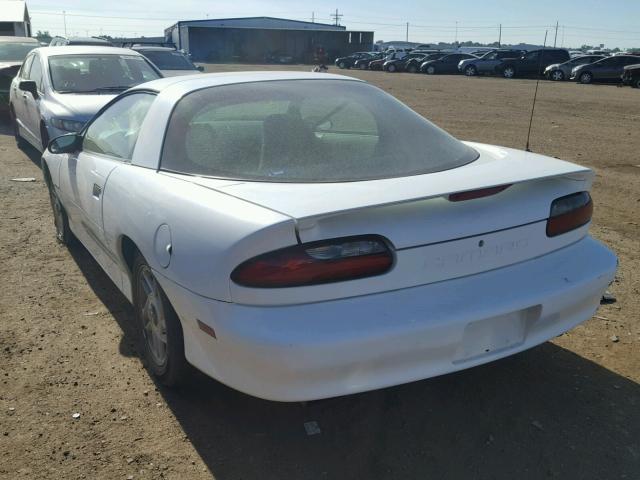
(431,70)
(509,72)
(557,75)
(586,78)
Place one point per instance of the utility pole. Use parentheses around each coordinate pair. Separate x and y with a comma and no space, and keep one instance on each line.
(500,36)
(556,37)
(337,17)
(313,17)
(562,42)
(407,36)
(64,20)
(456,42)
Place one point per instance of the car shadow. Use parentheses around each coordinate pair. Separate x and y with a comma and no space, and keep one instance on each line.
(6,129)
(545,413)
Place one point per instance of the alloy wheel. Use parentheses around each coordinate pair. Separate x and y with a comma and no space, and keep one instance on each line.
(557,75)
(154,324)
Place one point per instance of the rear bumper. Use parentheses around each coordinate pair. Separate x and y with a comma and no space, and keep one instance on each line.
(333,348)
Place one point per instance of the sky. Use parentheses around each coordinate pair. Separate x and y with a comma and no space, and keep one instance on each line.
(613,23)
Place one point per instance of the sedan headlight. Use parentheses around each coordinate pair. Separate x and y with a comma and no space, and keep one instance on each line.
(67,125)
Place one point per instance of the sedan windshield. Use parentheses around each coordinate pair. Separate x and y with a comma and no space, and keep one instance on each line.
(95,73)
(10,51)
(167,60)
(304,131)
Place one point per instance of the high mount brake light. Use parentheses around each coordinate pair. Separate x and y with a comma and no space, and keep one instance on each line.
(472,194)
(568,213)
(315,263)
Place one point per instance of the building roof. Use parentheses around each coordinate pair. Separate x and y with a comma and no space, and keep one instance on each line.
(13,11)
(260,22)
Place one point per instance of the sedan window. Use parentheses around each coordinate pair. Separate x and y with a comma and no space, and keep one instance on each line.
(15,51)
(115,132)
(167,60)
(93,73)
(304,131)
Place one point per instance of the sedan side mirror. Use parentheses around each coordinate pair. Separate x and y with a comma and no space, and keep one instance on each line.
(68,143)
(29,86)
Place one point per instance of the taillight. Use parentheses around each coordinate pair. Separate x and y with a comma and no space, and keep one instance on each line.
(315,263)
(480,193)
(568,213)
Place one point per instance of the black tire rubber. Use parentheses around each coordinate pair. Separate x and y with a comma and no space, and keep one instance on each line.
(342,65)
(20,142)
(391,68)
(176,369)
(44,137)
(64,235)
(637,83)
(412,68)
(363,66)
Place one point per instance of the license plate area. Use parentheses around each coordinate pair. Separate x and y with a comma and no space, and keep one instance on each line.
(492,335)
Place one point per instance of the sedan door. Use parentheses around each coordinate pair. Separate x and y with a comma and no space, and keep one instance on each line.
(488,63)
(31,116)
(608,68)
(19,97)
(108,143)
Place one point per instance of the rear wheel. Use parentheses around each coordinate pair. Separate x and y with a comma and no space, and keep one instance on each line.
(509,72)
(431,70)
(471,71)
(636,83)
(557,75)
(161,329)
(342,65)
(412,68)
(391,68)
(586,78)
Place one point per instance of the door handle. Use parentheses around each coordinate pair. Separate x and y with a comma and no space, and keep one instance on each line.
(97,190)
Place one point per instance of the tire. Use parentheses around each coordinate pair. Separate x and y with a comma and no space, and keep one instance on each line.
(636,83)
(471,71)
(342,65)
(44,137)
(363,66)
(412,68)
(431,70)
(509,72)
(20,142)
(64,235)
(585,78)
(556,76)
(391,68)
(161,330)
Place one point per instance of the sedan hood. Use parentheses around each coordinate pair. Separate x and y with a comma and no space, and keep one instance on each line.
(79,105)
(495,166)
(177,73)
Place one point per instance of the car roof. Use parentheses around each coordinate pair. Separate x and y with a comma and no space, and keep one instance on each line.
(11,39)
(84,49)
(189,83)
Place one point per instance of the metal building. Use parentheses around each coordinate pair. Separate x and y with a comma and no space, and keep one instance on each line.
(260,39)
(14,18)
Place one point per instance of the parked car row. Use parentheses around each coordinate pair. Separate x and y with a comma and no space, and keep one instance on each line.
(553,63)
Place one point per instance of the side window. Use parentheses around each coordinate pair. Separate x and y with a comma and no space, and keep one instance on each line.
(115,131)
(35,73)
(532,56)
(26,65)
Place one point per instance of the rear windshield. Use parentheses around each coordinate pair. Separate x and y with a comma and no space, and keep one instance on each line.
(166,60)
(10,51)
(304,131)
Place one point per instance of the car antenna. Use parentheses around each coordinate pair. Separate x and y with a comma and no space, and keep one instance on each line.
(535,95)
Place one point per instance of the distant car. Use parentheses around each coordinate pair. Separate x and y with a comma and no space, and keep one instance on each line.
(348,61)
(13,51)
(413,64)
(170,62)
(445,64)
(270,229)
(77,41)
(631,75)
(576,53)
(363,63)
(486,63)
(377,64)
(58,89)
(532,63)
(609,69)
(562,71)
(409,63)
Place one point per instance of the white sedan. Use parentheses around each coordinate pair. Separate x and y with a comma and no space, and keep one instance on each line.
(300,236)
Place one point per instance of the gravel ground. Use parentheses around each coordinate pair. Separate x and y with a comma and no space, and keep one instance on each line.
(567,409)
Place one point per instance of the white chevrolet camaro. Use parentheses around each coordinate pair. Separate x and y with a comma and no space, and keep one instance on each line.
(299,236)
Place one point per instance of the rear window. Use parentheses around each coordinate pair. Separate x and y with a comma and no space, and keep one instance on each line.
(304,131)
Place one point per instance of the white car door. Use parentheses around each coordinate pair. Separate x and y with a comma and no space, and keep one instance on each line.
(107,144)
(31,116)
(18,95)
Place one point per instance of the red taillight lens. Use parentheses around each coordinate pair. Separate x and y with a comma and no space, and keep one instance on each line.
(318,262)
(569,213)
(471,194)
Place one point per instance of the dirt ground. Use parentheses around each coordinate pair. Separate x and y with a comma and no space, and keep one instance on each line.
(568,409)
